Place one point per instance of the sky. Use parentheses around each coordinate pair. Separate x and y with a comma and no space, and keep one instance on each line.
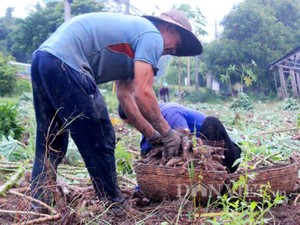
(213,10)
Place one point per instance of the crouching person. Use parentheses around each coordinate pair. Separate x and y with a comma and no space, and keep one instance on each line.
(207,127)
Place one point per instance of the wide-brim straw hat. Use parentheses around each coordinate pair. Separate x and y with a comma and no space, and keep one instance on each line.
(190,44)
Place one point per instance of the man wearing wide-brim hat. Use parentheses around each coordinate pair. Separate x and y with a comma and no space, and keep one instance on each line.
(92,49)
(189,45)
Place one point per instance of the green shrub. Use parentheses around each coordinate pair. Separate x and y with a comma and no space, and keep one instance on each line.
(9,125)
(242,102)
(123,159)
(110,100)
(106,86)
(13,151)
(202,95)
(22,86)
(8,77)
(290,104)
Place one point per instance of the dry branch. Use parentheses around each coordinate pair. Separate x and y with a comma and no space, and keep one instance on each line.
(277,131)
(34,200)
(39,220)
(296,200)
(14,179)
(22,212)
(87,180)
(126,180)
(260,158)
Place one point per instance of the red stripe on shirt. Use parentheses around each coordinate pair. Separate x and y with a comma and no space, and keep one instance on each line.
(122,48)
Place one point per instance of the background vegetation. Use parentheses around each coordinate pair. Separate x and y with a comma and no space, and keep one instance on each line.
(255,34)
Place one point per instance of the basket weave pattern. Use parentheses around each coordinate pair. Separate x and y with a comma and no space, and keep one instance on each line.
(172,182)
(281,178)
(159,182)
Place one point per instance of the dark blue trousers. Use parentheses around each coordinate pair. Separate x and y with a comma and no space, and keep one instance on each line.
(67,102)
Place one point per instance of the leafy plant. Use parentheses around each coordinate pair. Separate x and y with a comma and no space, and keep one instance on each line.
(22,86)
(236,208)
(123,159)
(242,101)
(8,77)
(9,124)
(237,211)
(13,150)
(202,95)
(225,78)
(290,104)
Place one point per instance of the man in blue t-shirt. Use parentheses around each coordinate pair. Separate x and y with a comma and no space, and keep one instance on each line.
(92,49)
(180,117)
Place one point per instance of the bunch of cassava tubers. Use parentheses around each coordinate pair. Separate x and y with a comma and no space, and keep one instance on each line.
(194,151)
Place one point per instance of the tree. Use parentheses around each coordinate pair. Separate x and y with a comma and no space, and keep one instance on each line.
(32,31)
(255,30)
(199,22)
(7,76)
(7,25)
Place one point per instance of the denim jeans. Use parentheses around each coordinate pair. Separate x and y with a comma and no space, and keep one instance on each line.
(67,102)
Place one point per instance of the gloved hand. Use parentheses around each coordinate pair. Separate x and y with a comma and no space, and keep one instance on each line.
(155,139)
(172,142)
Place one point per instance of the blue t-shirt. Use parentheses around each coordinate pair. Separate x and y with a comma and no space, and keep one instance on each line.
(105,45)
(178,117)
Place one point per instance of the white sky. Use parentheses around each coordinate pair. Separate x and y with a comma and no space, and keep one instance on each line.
(213,10)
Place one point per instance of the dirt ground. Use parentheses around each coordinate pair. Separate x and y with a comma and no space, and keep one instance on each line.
(76,204)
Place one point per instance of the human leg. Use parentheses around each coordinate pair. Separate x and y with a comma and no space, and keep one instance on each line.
(51,142)
(77,97)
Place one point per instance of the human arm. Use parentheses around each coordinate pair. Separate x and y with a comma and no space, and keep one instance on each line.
(127,101)
(141,107)
(139,101)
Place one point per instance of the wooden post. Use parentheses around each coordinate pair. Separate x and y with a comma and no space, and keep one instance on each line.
(294,85)
(179,81)
(196,73)
(298,81)
(282,82)
(188,71)
(276,85)
(67,9)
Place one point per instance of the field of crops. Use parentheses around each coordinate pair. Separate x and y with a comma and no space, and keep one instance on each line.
(268,134)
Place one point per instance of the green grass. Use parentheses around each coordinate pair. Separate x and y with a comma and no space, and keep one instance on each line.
(10,100)
(266,130)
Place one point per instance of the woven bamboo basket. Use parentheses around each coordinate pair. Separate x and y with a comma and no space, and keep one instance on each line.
(159,182)
(280,178)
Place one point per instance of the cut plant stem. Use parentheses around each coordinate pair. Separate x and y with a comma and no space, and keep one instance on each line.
(277,131)
(13,180)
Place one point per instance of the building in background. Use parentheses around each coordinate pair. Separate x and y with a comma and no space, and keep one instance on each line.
(23,69)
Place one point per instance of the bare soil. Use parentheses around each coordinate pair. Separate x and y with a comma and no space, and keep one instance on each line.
(77,204)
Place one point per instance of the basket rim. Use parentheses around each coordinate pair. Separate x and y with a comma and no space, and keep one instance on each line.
(179,169)
(268,169)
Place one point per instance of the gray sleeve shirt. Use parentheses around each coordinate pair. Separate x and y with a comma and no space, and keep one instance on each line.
(105,45)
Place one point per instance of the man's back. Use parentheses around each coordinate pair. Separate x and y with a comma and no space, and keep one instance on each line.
(178,117)
(86,41)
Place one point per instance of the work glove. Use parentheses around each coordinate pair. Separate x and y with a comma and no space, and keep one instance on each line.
(172,143)
(155,139)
